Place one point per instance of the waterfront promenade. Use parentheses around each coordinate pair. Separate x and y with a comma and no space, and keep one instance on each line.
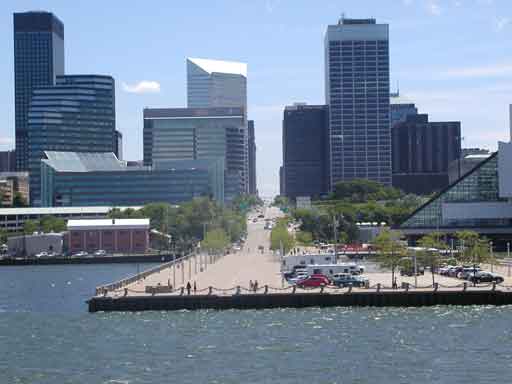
(228,271)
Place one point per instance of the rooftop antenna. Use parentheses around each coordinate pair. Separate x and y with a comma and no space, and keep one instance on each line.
(342,18)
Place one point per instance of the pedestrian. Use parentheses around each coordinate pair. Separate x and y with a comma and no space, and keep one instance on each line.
(394,283)
(195,288)
(188,288)
(250,285)
(255,285)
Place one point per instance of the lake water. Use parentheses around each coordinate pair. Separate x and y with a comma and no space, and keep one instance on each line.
(46,336)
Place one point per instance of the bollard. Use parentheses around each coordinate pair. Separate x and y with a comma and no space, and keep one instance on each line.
(378,287)
(182,291)
(493,286)
(210,289)
(465,287)
(322,289)
(153,291)
(125,292)
(105,291)
(294,288)
(436,287)
(350,288)
(266,289)
(237,290)
(406,287)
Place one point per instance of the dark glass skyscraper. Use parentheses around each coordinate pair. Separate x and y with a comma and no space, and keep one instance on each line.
(75,115)
(305,151)
(253,189)
(38,60)
(357,93)
(422,151)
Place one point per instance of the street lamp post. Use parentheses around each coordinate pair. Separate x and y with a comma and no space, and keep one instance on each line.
(508,258)
(491,252)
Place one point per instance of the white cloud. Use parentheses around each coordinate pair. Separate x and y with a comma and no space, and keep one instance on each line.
(502,22)
(143,86)
(433,8)
(493,70)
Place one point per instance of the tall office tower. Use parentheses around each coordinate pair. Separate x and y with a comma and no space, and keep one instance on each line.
(216,83)
(216,134)
(305,150)
(357,93)
(400,108)
(253,189)
(77,114)
(422,151)
(219,84)
(118,145)
(38,60)
(7,161)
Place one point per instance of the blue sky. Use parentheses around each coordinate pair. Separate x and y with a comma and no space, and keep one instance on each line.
(452,57)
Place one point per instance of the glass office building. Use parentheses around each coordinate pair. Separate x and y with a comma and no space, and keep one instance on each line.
(99,179)
(305,150)
(38,60)
(357,93)
(478,201)
(253,188)
(75,115)
(215,134)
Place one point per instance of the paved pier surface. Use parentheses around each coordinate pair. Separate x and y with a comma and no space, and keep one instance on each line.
(229,270)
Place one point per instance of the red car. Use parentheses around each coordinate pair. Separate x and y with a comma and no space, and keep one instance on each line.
(314,281)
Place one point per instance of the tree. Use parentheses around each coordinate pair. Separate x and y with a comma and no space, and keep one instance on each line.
(30,226)
(19,200)
(280,236)
(390,250)
(430,254)
(215,240)
(473,248)
(304,237)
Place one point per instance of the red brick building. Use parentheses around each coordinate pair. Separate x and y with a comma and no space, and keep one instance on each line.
(111,235)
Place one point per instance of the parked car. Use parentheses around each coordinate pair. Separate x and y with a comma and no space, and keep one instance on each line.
(100,252)
(410,271)
(466,273)
(348,280)
(297,278)
(486,277)
(314,281)
(444,270)
(42,254)
(81,254)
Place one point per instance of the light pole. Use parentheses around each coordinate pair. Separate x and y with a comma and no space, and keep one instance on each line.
(491,252)
(508,257)
(335,224)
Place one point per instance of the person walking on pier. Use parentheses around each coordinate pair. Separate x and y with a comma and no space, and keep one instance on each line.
(195,288)
(255,285)
(189,287)
(251,286)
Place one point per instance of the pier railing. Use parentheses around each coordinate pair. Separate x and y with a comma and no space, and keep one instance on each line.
(123,283)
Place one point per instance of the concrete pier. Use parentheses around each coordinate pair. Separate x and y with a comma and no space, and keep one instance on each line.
(301,300)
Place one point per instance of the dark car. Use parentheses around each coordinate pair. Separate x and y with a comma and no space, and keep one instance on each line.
(486,277)
(410,271)
(348,280)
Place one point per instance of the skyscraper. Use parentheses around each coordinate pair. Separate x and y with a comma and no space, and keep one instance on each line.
(200,134)
(38,60)
(422,151)
(77,114)
(400,108)
(305,150)
(253,189)
(216,83)
(357,93)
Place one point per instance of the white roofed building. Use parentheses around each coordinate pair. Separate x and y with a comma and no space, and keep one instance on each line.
(216,83)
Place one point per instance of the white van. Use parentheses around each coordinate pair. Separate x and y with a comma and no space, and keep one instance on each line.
(331,269)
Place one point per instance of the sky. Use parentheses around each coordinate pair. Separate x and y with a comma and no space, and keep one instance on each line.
(453,58)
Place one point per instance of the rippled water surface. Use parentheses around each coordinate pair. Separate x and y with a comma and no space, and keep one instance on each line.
(46,336)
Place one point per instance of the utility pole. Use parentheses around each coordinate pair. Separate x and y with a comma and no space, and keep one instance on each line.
(335,224)
(281,251)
